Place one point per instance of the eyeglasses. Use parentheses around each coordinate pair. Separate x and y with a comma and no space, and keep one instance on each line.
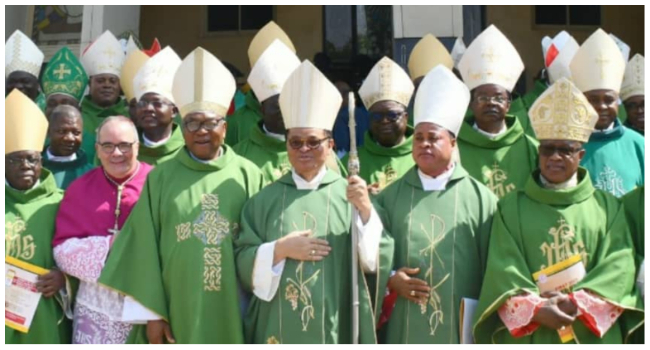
(312,143)
(566,152)
(124,147)
(31,161)
(496,99)
(391,116)
(142,104)
(208,125)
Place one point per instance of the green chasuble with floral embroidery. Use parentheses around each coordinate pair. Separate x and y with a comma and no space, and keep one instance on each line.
(313,302)
(504,163)
(174,254)
(29,230)
(93,114)
(243,120)
(383,165)
(156,155)
(535,228)
(268,153)
(445,234)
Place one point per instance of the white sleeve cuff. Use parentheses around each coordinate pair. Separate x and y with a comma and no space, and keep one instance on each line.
(266,277)
(134,312)
(369,237)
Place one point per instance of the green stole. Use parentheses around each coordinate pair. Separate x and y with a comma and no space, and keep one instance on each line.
(268,153)
(537,227)
(174,254)
(66,172)
(156,155)
(444,234)
(243,120)
(93,114)
(383,165)
(504,163)
(313,302)
(29,229)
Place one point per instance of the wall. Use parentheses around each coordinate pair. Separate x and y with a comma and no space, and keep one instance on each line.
(517,23)
(15,18)
(415,21)
(182,27)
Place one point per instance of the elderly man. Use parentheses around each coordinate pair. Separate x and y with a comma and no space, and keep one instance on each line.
(294,251)
(63,156)
(561,258)
(161,138)
(23,62)
(31,203)
(92,212)
(633,94)
(175,254)
(615,154)
(493,144)
(440,218)
(386,152)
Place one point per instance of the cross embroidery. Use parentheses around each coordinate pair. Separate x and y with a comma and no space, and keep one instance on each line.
(62,71)
(489,54)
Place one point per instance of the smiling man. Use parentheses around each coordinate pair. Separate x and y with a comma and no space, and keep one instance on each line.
(615,154)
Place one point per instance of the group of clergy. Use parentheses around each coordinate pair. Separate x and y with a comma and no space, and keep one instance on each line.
(478,216)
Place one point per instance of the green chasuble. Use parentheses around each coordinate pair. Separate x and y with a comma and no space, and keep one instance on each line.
(518,110)
(504,163)
(313,302)
(535,228)
(445,234)
(383,165)
(615,159)
(531,96)
(156,155)
(174,254)
(622,113)
(268,153)
(29,230)
(93,115)
(41,101)
(66,172)
(634,204)
(629,126)
(243,120)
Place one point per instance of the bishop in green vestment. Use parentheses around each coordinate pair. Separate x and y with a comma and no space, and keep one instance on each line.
(243,120)
(633,94)
(440,219)
(31,202)
(294,250)
(23,61)
(386,153)
(175,254)
(561,258)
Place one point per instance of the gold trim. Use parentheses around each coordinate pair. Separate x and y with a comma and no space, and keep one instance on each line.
(16,326)
(558,267)
(25,265)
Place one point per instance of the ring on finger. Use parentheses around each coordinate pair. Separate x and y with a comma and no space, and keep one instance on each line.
(312,253)
(412,293)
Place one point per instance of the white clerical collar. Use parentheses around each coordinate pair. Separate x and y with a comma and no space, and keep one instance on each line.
(303,184)
(570,183)
(273,135)
(490,135)
(207,161)
(610,127)
(38,183)
(61,159)
(152,144)
(438,183)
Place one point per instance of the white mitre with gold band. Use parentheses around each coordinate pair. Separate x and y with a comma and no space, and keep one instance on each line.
(104,56)
(387,81)
(203,84)
(264,38)
(157,75)
(442,99)
(491,59)
(25,124)
(134,61)
(272,70)
(598,64)
(563,113)
(21,54)
(634,78)
(426,54)
(309,100)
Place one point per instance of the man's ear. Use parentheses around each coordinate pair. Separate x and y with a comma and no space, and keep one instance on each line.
(581,154)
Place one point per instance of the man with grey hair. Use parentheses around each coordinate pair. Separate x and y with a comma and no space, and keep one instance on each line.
(92,212)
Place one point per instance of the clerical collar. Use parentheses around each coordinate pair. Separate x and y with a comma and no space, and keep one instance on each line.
(610,127)
(61,159)
(490,135)
(303,184)
(570,183)
(152,144)
(273,135)
(207,161)
(38,182)
(438,183)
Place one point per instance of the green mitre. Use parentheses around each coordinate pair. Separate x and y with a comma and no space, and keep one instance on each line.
(64,74)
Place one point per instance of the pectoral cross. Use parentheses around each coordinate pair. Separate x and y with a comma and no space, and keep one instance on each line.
(61,72)
(115,230)
(602,61)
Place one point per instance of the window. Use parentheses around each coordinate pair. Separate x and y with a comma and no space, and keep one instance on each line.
(572,15)
(232,18)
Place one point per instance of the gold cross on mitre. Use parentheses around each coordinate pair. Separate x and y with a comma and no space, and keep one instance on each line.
(490,54)
(109,52)
(62,71)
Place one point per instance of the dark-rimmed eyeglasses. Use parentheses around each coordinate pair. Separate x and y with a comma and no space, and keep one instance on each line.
(31,161)
(565,152)
(124,147)
(208,125)
(500,100)
(311,143)
(391,116)
(142,104)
